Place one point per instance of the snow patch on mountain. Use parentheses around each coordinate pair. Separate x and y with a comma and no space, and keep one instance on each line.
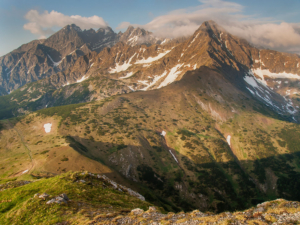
(193,56)
(127,75)
(25,171)
(173,156)
(131,88)
(66,84)
(107,44)
(228,139)
(47,127)
(251,81)
(261,90)
(289,106)
(193,40)
(250,91)
(164,41)
(82,79)
(227,48)
(30,69)
(54,63)
(262,72)
(152,59)
(122,67)
(266,99)
(154,81)
(173,74)
(133,40)
(14,66)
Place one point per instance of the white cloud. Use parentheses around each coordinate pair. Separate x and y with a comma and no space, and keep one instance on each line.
(43,23)
(260,31)
(123,25)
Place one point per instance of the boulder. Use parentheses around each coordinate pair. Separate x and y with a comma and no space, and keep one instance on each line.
(44,196)
(62,198)
(36,195)
(137,211)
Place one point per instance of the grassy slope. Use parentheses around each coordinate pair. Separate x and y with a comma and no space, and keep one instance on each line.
(89,199)
(198,113)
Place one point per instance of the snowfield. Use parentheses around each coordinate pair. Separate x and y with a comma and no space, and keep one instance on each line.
(123,67)
(54,63)
(47,127)
(173,74)
(152,59)
(155,80)
(261,73)
(251,81)
(127,75)
(82,79)
(228,139)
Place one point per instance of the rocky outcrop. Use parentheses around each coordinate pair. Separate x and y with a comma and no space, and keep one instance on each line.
(61,199)
(275,212)
(137,36)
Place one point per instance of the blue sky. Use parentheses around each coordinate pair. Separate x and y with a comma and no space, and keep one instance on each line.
(156,15)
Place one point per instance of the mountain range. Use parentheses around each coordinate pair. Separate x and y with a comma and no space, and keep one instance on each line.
(205,121)
(42,58)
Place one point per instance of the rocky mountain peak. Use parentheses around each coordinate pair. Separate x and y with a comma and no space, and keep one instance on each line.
(75,27)
(105,31)
(129,29)
(212,28)
(133,36)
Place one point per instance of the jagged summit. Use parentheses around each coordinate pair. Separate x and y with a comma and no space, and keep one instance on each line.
(106,30)
(211,24)
(133,36)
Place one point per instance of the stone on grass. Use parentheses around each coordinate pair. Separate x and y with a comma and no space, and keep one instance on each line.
(44,196)
(137,211)
(62,198)
(36,195)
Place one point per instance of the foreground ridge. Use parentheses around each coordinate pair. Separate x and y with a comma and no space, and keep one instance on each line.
(87,198)
(278,211)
